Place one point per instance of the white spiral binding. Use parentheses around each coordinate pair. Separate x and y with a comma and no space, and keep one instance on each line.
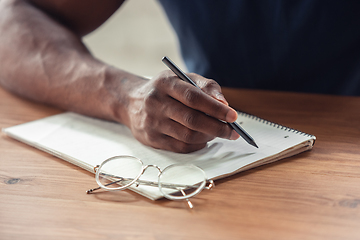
(275,124)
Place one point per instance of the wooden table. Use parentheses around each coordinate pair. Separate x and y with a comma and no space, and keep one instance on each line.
(314,195)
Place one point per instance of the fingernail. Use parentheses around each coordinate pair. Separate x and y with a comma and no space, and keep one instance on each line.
(234,135)
(231,116)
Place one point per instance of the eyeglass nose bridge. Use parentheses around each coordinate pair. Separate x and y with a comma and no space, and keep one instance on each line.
(151,165)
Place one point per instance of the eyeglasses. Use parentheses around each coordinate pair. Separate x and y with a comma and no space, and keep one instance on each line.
(175,182)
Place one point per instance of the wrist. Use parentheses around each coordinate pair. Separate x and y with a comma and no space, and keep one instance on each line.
(119,89)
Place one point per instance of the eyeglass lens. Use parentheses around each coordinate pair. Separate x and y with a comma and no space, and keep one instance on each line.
(181,181)
(118,172)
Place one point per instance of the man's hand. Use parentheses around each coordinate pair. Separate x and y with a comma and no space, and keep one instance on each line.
(170,114)
(43,59)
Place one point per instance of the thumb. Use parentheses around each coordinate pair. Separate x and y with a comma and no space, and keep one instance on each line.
(210,87)
(219,96)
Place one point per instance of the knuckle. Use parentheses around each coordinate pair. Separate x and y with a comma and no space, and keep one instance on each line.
(151,97)
(190,120)
(183,148)
(188,136)
(211,84)
(191,96)
(176,85)
(164,79)
(158,82)
(204,83)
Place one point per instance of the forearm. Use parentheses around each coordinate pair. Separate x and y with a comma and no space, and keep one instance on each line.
(46,62)
(43,60)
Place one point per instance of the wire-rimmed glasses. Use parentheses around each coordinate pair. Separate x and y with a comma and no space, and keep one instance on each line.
(175,182)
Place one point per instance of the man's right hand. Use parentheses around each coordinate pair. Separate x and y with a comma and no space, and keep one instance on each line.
(168,113)
(43,59)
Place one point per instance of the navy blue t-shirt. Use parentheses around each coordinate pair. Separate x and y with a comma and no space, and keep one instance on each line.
(290,45)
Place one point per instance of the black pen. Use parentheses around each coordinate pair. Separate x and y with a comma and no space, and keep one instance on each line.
(184,77)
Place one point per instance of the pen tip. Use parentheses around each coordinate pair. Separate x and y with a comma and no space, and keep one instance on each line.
(254,144)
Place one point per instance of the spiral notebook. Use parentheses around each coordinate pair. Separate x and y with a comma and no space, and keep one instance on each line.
(86,142)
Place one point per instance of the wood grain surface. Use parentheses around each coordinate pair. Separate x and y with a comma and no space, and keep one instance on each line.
(314,195)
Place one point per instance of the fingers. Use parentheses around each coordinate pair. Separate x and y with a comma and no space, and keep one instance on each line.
(168,113)
(184,134)
(197,99)
(173,137)
(209,86)
(166,142)
(194,120)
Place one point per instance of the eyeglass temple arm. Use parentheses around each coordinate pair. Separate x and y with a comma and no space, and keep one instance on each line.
(138,182)
(94,189)
(209,187)
(191,206)
(211,184)
(145,182)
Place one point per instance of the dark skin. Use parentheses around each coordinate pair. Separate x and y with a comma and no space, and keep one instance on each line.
(43,59)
